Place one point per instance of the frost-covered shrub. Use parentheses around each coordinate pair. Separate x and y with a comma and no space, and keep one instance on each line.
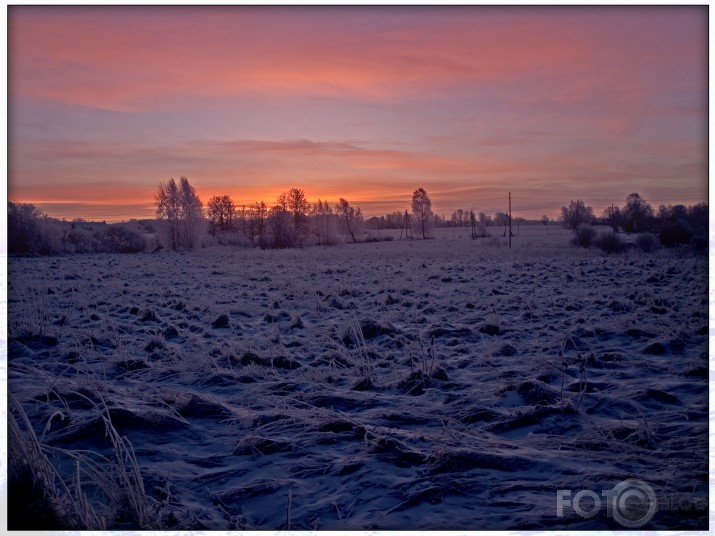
(609,242)
(79,240)
(121,240)
(23,230)
(647,242)
(50,237)
(584,236)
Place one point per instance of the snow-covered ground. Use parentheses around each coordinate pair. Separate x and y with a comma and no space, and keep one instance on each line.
(440,384)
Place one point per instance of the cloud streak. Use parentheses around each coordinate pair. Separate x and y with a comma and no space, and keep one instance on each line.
(361,102)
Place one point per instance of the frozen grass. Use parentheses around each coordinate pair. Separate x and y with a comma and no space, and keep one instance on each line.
(441,384)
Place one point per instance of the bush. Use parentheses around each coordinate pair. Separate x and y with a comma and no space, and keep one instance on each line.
(23,232)
(81,241)
(374,238)
(121,240)
(675,234)
(609,242)
(647,242)
(584,236)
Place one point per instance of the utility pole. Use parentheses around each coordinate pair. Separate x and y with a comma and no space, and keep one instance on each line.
(407,227)
(509,219)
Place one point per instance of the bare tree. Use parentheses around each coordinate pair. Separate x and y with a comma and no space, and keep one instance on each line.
(244,220)
(294,202)
(422,211)
(323,217)
(221,212)
(612,216)
(351,217)
(576,214)
(636,214)
(280,225)
(192,209)
(168,206)
(259,214)
(182,208)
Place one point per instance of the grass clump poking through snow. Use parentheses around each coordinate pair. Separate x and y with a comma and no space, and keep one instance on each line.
(423,368)
(39,498)
(355,338)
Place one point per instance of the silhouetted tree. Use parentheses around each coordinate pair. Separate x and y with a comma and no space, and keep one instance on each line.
(279,221)
(297,205)
(422,211)
(324,225)
(637,214)
(258,217)
(220,211)
(352,218)
(576,214)
(672,213)
(698,216)
(612,216)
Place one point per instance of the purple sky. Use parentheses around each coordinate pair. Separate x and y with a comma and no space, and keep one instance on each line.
(365,103)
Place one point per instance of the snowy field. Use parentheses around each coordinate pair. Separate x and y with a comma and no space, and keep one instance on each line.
(434,385)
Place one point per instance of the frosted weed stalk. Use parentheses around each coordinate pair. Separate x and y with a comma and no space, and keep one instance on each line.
(365,368)
(127,489)
(581,361)
(422,360)
(27,460)
(118,477)
(36,321)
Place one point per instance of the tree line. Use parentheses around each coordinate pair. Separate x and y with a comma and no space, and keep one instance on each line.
(671,225)
(29,232)
(184,222)
(291,221)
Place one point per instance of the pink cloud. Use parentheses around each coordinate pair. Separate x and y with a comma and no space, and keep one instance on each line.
(89,57)
(466,101)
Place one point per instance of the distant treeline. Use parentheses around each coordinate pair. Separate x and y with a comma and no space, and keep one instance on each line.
(184,223)
(673,225)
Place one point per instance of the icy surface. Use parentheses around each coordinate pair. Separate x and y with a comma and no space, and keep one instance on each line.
(434,385)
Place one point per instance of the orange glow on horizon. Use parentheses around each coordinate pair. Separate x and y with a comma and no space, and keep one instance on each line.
(366,103)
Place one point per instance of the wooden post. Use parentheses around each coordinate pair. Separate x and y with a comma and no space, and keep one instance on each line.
(510,219)
(613,218)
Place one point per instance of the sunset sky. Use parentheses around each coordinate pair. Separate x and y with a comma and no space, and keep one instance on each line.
(365,103)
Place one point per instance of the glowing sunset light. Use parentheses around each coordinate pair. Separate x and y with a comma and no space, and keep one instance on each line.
(364,103)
